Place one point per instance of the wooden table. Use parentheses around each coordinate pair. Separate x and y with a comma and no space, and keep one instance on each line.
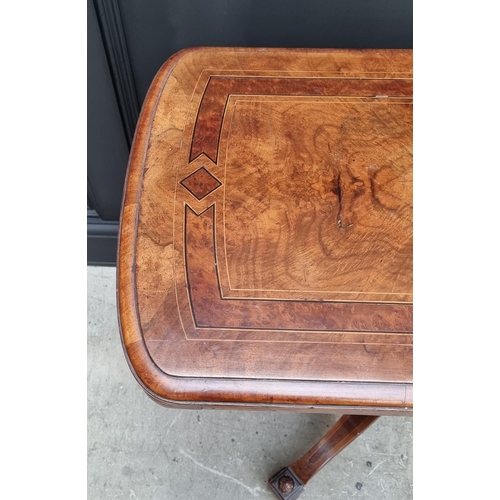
(265,255)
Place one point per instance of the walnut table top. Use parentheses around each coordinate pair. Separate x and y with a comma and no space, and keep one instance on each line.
(265,255)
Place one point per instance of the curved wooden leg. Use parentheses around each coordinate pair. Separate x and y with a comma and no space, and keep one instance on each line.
(289,482)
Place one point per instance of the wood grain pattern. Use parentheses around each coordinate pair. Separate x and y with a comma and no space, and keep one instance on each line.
(211,310)
(340,200)
(265,254)
(343,432)
(219,88)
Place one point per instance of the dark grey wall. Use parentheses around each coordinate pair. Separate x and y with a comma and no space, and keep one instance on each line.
(128,41)
(107,150)
(158,28)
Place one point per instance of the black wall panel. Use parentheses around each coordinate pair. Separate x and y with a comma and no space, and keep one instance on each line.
(107,151)
(158,28)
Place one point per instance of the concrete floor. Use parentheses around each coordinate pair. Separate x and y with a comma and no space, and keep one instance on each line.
(140,450)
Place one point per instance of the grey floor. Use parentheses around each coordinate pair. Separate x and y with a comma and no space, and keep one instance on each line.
(140,450)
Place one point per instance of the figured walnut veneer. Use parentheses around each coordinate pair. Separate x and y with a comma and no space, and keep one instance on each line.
(265,256)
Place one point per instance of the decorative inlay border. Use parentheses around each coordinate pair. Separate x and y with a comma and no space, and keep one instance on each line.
(201,183)
(212,311)
(211,111)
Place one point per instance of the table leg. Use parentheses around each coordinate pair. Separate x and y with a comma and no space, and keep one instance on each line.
(289,482)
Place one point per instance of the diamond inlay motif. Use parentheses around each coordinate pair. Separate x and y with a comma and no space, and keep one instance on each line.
(201,183)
